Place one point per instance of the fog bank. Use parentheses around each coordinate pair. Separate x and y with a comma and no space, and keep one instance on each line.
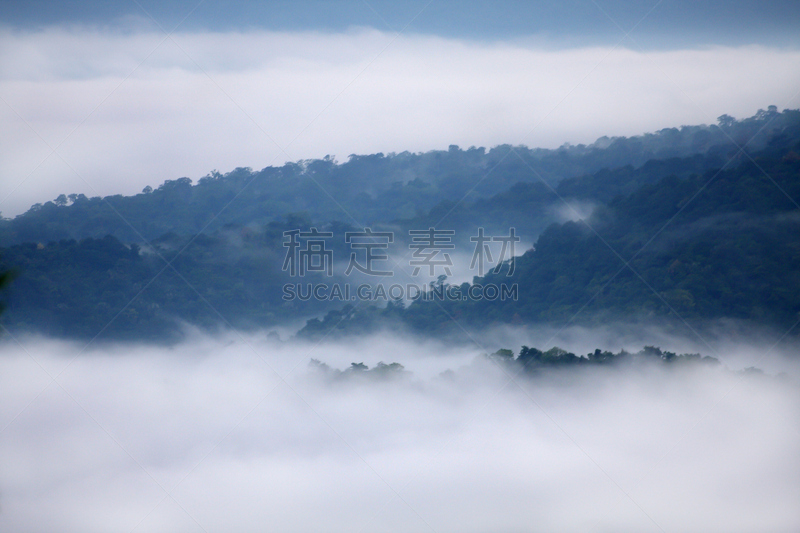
(209,436)
(127,109)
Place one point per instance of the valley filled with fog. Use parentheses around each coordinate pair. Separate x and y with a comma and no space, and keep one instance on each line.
(241,433)
(399,266)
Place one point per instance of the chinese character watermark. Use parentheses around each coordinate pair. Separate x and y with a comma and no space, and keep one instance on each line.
(307,252)
(484,253)
(426,245)
(369,241)
(314,258)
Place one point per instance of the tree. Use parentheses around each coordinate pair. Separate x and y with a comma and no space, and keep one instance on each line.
(5,278)
(395,304)
(726,121)
(61,201)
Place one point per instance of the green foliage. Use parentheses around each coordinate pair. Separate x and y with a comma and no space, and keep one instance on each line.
(101,286)
(354,319)
(534,360)
(503,353)
(383,188)
(5,279)
(531,362)
(700,243)
(720,244)
(380,372)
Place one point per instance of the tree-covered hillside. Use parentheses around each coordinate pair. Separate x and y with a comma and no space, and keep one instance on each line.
(71,288)
(367,189)
(712,234)
(722,244)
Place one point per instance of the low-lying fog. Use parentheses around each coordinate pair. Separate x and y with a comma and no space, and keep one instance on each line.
(208,436)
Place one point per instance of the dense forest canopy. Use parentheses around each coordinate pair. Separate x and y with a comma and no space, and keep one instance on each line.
(369,189)
(698,223)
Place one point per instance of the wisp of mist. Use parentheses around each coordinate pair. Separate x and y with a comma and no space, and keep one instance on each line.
(240,433)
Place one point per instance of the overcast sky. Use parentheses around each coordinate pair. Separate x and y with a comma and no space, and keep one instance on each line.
(100,98)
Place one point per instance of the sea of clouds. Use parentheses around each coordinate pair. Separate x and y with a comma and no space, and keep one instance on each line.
(238,433)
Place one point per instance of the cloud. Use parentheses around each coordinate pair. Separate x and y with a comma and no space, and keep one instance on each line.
(205,436)
(130,108)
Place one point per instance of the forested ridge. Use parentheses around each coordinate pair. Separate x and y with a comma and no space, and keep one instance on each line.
(707,231)
(383,188)
(720,244)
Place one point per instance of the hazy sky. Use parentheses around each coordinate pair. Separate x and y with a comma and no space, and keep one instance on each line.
(673,23)
(125,104)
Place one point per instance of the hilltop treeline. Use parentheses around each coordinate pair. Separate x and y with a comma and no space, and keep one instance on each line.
(684,223)
(368,189)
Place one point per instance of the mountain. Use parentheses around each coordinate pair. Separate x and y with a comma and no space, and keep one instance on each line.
(378,188)
(703,236)
(721,244)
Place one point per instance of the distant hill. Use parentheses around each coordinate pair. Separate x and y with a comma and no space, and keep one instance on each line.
(722,244)
(369,189)
(708,235)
